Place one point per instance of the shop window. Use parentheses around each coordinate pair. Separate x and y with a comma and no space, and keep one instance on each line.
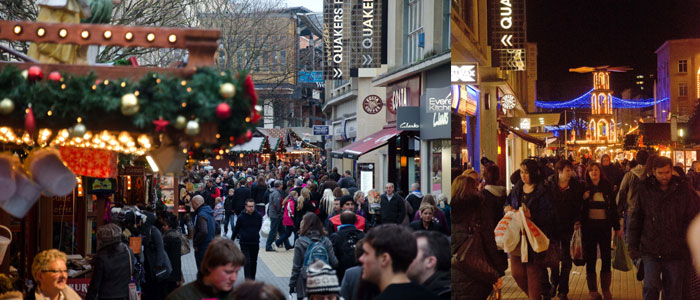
(413,20)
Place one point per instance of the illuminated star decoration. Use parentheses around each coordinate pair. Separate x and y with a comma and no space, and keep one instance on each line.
(160,124)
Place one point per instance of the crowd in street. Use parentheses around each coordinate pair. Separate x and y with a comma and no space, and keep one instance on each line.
(645,206)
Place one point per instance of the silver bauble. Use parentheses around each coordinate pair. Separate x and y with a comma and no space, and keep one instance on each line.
(192,128)
(227,90)
(130,104)
(6,106)
(78,130)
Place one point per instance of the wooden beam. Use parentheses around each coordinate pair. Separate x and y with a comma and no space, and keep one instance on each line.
(106,72)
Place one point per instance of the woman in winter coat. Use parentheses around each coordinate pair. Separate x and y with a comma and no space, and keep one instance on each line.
(599,216)
(311,231)
(289,205)
(112,265)
(173,247)
(531,194)
(438,215)
(154,256)
(470,209)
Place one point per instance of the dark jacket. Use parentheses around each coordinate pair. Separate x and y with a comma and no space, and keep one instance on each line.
(298,268)
(153,248)
(629,189)
(347,182)
(393,211)
(274,209)
(240,195)
(258,193)
(660,219)
(173,247)
(111,272)
(196,290)
(337,239)
(418,225)
(329,184)
(606,189)
(247,228)
(440,284)
(539,203)
(468,212)
(228,204)
(299,214)
(204,228)
(567,205)
(414,198)
(335,176)
(613,174)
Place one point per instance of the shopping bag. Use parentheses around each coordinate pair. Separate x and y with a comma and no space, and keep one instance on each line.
(523,248)
(620,258)
(576,248)
(538,241)
(265,229)
(135,244)
(507,232)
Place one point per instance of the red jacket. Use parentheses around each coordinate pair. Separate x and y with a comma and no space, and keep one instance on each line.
(360,223)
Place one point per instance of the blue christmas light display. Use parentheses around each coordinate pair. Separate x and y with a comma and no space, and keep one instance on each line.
(584,101)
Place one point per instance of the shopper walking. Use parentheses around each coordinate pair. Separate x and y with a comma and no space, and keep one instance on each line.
(313,238)
(247,229)
(274,211)
(393,207)
(599,216)
(112,265)
(289,205)
(173,247)
(204,228)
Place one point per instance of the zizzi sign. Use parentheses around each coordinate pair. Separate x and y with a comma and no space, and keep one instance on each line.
(335,38)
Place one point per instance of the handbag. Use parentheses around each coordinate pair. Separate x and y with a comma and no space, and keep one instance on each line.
(471,258)
(184,244)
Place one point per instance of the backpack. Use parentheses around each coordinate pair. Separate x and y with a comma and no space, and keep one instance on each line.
(266,196)
(347,250)
(315,251)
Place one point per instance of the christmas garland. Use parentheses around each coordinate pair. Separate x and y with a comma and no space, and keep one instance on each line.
(155,102)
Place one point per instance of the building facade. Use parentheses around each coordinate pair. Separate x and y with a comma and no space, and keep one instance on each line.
(678,67)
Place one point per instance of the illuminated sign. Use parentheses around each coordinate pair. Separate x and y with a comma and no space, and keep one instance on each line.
(525,123)
(464,74)
(335,38)
(508,101)
(508,34)
(366,34)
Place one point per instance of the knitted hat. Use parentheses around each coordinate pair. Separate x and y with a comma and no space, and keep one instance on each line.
(346,198)
(321,279)
(108,234)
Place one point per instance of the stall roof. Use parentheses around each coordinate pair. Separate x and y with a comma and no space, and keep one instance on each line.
(254,145)
(523,135)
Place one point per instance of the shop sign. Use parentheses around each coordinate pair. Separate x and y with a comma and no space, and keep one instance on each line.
(464,100)
(398,98)
(366,176)
(336,39)
(436,105)
(372,104)
(408,118)
(100,185)
(321,130)
(464,73)
(406,92)
(63,206)
(508,101)
(310,77)
(79,285)
(366,33)
(339,132)
(508,34)
(525,124)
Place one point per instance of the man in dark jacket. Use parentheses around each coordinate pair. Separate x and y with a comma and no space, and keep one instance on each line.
(566,194)
(657,228)
(204,228)
(173,247)
(344,242)
(229,213)
(393,208)
(247,229)
(347,181)
(240,195)
(415,197)
(431,267)
(274,211)
(334,175)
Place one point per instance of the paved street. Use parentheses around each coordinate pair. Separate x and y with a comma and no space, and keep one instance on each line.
(273,267)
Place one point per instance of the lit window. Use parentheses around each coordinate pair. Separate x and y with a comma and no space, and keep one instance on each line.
(683,66)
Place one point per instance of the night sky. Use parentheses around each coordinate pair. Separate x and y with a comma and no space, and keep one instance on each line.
(574,33)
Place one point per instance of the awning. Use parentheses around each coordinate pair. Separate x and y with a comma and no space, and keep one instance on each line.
(255,145)
(523,135)
(366,144)
(292,150)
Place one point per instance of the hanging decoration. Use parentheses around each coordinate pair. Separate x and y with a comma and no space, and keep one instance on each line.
(223,111)
(160,124)
(130,104)
(227,90)
(78,130)
(180,122)
(6,106)
(29,123)
(55,76)
(34,73)
(192,128)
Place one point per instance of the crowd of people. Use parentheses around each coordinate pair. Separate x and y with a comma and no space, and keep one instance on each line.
(648,203)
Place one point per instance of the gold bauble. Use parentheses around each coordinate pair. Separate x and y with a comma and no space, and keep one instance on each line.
(227,90)
(192,128)
(180,122)
(130,104)
(6,106)
(25,74)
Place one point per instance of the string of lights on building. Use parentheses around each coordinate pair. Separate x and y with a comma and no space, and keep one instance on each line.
(584,101)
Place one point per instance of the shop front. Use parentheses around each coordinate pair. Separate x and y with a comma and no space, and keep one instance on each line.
(436,132)
(464,130)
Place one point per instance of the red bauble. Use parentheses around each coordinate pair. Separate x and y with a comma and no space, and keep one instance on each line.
(29,123)
(250,90)
(248,135)
(55,76)
(223,111)
(35,73)
(256,117)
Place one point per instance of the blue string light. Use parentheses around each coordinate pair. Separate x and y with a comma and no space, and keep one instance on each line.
(584,101)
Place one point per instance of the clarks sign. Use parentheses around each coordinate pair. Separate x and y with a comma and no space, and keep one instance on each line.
(408,118)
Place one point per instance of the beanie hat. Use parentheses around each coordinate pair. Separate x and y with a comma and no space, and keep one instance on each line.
(346,198)
(108,234)
(321,279)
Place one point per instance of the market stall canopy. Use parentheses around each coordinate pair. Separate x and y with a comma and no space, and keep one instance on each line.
(255,145)
(274,143)
(655,133)
(534,120)
(287,136)
(367,144)
(523,135)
